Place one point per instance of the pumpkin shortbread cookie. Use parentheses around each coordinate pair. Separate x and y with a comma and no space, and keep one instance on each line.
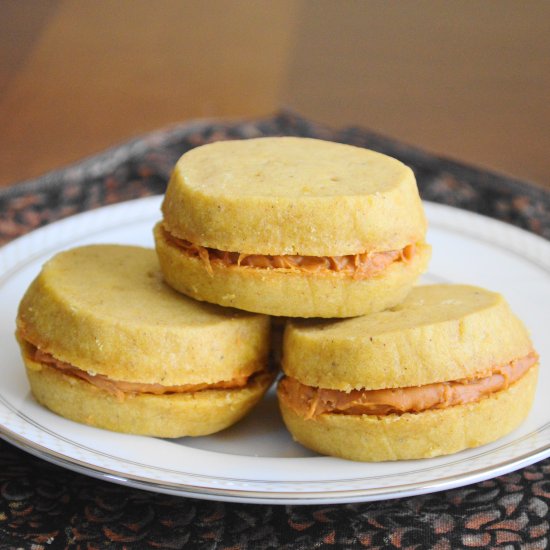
(292,227)
(107,343)
(449,368)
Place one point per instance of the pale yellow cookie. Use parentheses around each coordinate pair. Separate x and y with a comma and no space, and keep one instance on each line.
(285,292)
(171,415)
(372,438)
(101,322)
(290,195)
(449,368)
(292,227)
(438,333)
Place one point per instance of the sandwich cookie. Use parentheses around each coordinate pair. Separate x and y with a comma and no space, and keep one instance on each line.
(292,227)
(449,368)
(107,343)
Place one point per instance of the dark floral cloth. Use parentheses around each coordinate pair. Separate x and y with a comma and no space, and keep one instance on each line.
(44,506)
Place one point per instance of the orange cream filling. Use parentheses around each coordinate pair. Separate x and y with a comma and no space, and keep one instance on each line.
(361,266)
(121,389)
(310,401)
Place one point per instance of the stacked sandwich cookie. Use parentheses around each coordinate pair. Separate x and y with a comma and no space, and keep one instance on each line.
(292,227)
(449,368)
(107,343)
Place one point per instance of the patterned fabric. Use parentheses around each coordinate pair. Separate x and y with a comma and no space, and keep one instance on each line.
(43,506)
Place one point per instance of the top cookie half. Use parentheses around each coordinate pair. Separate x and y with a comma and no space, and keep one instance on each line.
(288,195)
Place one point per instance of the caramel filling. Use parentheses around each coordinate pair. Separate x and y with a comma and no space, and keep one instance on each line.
(121,389)
(360,266)
(309,401)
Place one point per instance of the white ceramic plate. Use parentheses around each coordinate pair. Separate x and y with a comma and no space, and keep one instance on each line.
(256,460)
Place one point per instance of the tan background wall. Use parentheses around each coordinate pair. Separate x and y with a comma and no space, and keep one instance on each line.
(468,79)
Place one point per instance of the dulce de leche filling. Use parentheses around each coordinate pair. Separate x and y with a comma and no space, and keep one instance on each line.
(359,266)
(308,401)
(121,389)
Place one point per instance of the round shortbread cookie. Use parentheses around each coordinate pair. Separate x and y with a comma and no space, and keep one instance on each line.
(438,333)
(105,309)
(171,415)
(289,195)
(284,292)
(415,435)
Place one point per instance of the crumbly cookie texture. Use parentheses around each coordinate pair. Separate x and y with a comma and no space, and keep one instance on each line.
(173,415)
(289,195)
(438,333)
(283,292)
(106,310)
(419,435)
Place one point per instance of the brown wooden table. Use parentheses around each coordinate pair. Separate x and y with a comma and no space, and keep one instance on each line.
(468,80)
